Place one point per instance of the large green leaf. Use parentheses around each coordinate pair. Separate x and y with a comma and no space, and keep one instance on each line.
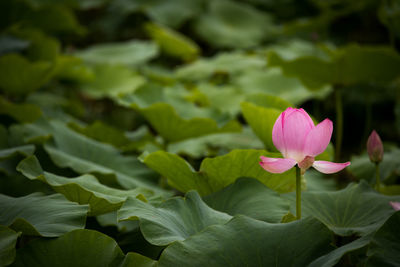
(173,43)
(85,155)
(112,81)
(217,173)
(294,48)
(268,101)
(79,248)
(251,198)
(155,97)
(173,128)
(234,25)
(55,19)
(25,150)
(272,81)
(329,13)
(312,71)
(317,181)
(84,189)
(247,242)
(208,145)
(16,185)
(385,245)
(333,257)
(111,219)
(41,46)
(20,112)
(357,209)
(8,241)
(102,132)
(10,44)
(32,133)
(349,65)
(357,64)
(261,120)
(72,68)
(54,106)
(20,76)
(225,98)
(36,214)
(174,220)
(228,63)
(179,173)
(127,141)
(133,259)
(172,13)
(130,53)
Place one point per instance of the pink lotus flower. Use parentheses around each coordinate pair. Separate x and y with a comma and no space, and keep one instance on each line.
(395,205)
(300,141)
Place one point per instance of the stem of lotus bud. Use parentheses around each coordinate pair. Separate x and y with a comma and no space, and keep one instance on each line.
(378,177)
(298,193)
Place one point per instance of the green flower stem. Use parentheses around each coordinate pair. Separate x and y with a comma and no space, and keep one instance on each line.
(378,177)
(298,193)
(339,123)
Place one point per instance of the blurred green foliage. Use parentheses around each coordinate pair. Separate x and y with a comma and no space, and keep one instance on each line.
(112,110)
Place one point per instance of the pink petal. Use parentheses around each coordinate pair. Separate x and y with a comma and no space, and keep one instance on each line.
(318,138)
(329,167)
(277,133)
(395,205)
(276,165)
(277,130)
(296,126)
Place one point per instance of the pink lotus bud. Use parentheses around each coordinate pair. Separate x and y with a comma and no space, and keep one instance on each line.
(375,147)
(300,141)
(395,205)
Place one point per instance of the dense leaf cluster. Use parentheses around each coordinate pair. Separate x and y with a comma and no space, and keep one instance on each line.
(131,132)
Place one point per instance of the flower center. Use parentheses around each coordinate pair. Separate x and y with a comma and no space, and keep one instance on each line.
(306,163)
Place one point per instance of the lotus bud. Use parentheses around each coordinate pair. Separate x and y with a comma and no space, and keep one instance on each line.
(375,147)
